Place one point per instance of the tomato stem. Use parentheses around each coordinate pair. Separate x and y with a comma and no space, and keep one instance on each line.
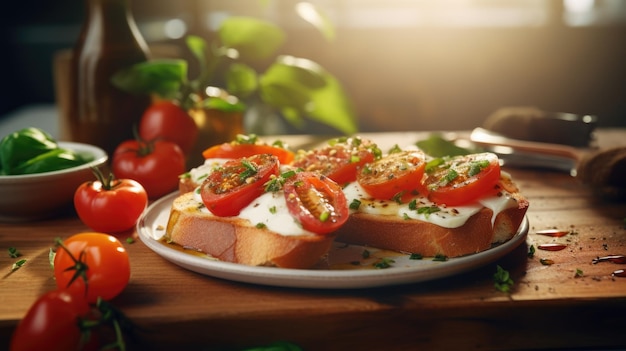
(80,265)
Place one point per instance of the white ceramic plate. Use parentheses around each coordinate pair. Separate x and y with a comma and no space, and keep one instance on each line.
(343,275)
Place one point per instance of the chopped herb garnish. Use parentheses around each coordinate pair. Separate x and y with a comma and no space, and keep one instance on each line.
(14,253)
(397,198)
(355,204)
(249,171)
(395,149)
(415,256)
(502,280)
(405,216)
(261,225)
(450,176)
(276,183)
(383,263)
(130,240)
(18,264)
(413,205)
(579,273)
(246,139)
(531,251)
(428,210)
(433,164)
(273,210)
(477,166)
(440,258)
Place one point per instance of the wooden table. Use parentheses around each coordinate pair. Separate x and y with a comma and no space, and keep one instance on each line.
(550,306)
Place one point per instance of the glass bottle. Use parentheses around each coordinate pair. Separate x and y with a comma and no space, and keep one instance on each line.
(99,113)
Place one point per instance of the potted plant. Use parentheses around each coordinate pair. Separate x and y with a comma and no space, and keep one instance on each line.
(290,88)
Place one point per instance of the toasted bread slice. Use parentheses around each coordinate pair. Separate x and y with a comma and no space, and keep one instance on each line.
(479,232)
(237,240)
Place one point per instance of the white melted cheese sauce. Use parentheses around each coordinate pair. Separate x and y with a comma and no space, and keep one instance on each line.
(270,209)
(447,217)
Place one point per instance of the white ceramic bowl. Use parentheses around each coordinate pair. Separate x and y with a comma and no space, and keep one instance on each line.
(41,195)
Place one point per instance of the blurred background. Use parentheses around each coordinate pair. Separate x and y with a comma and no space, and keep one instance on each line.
(406,64)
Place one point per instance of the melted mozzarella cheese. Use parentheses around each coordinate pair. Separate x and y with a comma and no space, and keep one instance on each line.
(447,217)
(270,209)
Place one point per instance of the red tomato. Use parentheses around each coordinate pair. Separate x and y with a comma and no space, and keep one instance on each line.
(394,175)
(155,165)
(165,120)
(463,179)
(340,159)
(234,185)
(316,201)
(110,205)
(92,264)
(51,323)
(235,150)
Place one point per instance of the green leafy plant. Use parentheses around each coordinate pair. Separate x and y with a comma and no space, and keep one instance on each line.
(295,87)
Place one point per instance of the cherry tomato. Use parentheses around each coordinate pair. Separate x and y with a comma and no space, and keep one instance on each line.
(51,323)
(316,201)
(234,185)
(110,205)
(463,179)
(155,165)
(92,264)
(340,159)
(394,175)
(239,150)
(165,120)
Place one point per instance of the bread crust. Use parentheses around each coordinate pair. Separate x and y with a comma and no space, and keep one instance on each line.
(234,239)
(420,237)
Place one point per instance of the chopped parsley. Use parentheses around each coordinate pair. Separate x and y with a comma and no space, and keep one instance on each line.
(428,209)
(477,166)
(14,253)
(502,280)
(531,251)
(250,170)
(276,183)
(355,204)
(273,210)
(415,256)
(383,263)
(18,264)
(261,225)
(440,258)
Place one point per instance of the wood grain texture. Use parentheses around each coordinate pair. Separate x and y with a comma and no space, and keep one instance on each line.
(550,306)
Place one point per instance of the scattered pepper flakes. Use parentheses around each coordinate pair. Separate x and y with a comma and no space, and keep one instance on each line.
(551,247)
(619,259)
(555,233)
(619,273)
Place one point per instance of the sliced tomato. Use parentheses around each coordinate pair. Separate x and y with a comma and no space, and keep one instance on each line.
(340,159)
(394,175)
(232,150)
(316,201)
(234,185)
(246,146)
(460,180)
